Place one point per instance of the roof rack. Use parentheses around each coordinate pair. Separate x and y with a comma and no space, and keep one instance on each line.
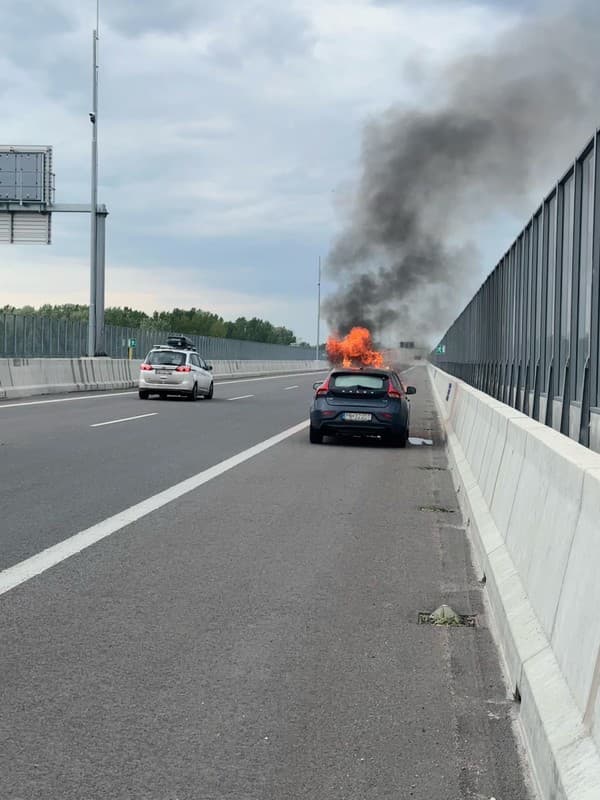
(181,342)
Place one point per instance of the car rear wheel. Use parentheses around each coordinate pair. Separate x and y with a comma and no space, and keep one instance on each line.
(193,395)
(144,394)
(400,439)
(315,436)
(209,396)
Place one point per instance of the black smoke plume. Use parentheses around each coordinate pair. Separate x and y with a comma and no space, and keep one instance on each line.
(510,120)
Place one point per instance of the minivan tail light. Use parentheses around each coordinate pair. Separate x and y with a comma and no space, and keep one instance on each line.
(185,368)
(323,388)
(146,367)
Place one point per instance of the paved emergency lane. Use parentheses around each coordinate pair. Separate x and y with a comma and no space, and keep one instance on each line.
(257,640)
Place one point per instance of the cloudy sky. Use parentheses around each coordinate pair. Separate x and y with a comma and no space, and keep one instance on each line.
(230,137)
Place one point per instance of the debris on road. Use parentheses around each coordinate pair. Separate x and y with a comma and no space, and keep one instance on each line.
(445,615)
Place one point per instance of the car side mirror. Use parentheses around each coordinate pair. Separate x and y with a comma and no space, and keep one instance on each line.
(317,384)
(209,367)
(411,390)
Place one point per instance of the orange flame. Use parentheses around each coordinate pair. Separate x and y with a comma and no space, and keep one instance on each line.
(354,350)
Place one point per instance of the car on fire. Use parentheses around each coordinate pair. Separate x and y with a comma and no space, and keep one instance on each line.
(361,401)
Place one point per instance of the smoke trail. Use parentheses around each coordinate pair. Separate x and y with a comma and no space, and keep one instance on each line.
(512,120)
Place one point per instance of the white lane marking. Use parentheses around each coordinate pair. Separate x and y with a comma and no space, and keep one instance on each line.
(287,388)
(272,377)
(123,394)
(241,397)
(414,366)
(65,399)
(123,419)
(39,563)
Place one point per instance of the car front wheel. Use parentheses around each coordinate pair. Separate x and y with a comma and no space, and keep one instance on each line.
(209,396)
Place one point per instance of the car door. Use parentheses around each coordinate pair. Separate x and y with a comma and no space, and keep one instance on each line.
(195,365)
(399,384)
(203,374)
(208,372)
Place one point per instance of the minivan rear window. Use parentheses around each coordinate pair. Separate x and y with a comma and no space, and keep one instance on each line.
(170,358)
(343,381)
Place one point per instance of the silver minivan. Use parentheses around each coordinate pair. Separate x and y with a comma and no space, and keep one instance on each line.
(171,370)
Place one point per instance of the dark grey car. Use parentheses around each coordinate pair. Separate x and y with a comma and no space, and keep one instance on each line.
(365,401)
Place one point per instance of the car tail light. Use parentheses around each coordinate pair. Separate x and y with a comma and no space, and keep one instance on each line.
(393,392)
(323,388)
(146,367)
(185,368)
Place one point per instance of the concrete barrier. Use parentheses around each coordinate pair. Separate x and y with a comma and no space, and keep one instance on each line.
(27,377)
(531,501)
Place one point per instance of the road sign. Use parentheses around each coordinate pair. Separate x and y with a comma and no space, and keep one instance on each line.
(133,343)
(440,349)
(26,189)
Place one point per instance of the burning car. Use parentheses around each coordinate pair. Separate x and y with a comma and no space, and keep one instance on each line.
(366,401)
(355,349)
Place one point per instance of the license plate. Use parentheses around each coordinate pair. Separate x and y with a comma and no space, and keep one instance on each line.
(162,371)
(351,416)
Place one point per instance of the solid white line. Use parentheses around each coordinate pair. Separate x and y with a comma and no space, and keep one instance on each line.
(122,394)
(123,419)
(287,388)
(25,570)
(241,397)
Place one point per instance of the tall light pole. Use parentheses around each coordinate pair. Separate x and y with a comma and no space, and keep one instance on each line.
(92,329)
(317,349)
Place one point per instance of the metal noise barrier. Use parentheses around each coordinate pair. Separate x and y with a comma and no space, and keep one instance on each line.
(24,336)
(530,336)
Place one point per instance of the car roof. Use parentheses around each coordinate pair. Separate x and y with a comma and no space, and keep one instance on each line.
(172,348)
(361,370)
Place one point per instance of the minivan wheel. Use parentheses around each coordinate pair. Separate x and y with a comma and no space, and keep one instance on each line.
(143,394)
(209,396)
(315,436)
(193,395)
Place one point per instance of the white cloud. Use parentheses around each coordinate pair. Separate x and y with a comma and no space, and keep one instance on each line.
(220,119)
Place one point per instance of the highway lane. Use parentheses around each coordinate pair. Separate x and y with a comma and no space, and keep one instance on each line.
(59,475)
(257,640)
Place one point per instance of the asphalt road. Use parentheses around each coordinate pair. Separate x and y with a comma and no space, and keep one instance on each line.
(59,475)
(254,639)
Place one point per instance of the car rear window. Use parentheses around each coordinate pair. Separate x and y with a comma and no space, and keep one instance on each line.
(358,379)
(170,358)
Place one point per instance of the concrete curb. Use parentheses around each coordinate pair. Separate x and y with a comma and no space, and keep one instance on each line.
(33,377)
(561,747)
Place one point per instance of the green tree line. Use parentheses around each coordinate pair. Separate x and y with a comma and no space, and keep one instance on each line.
(179,320)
